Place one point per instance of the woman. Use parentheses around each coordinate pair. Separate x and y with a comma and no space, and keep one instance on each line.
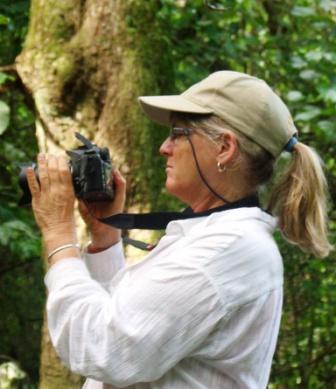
(202,310)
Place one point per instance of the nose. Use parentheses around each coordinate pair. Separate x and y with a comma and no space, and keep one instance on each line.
(166,147)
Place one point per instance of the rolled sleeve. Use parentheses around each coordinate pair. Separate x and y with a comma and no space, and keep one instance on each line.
(104,265)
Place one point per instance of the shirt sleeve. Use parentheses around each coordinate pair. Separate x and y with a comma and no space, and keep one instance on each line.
(149,319)
(103,266)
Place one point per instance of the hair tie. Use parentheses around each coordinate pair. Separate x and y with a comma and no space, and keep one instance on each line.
(290,144)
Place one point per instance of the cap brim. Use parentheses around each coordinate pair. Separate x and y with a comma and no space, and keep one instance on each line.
(159,108)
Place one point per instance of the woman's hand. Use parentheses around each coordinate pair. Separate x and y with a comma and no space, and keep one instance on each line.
(53,200)
(102,235)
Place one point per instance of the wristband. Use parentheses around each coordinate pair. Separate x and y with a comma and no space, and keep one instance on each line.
(60,248)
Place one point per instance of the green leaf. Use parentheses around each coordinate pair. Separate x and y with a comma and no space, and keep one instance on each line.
(314,55)
(310,113)
(327,126)
(294,95)
(331,95)
(327,5)
(5,77)
(298,62)
(308,74)
(3,20)
(4,116)
(302,11)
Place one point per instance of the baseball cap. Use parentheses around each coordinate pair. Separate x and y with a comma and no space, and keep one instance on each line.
(244,102)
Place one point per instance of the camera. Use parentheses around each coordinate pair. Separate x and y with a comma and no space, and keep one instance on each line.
(91,171)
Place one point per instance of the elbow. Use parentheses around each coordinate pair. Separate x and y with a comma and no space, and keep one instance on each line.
(119,377)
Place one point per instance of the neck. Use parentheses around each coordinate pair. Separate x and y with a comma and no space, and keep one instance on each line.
(211,201)
(203,205)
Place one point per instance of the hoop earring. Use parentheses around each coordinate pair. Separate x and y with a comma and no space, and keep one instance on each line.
(221,168)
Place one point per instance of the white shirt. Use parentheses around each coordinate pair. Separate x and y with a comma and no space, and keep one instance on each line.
(202,310)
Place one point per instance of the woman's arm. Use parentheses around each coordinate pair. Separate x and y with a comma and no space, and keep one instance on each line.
(149,319)
(53,201)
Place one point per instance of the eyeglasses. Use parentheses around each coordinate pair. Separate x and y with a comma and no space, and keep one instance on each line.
(175,132)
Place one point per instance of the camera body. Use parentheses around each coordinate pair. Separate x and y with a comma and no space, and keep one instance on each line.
(91,171)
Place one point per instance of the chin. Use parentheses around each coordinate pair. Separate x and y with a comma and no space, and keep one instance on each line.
(170,187)
(175,190)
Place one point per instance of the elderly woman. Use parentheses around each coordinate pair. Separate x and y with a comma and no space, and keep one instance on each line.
(202,310)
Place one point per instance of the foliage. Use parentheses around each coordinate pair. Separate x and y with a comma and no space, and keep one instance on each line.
(13,28)
(21,273)
(12,377)
(306,352)
(289,44)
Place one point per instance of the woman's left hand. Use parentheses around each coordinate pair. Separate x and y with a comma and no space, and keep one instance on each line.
(53,199)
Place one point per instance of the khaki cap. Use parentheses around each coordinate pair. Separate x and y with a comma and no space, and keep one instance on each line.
(246,103)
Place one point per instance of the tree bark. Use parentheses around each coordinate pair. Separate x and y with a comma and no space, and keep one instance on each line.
(85,62)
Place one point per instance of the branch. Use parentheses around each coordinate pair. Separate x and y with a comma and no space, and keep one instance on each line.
(9,68)
(7,358)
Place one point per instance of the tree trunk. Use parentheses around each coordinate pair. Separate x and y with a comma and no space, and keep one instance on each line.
(85,62)
(53,374)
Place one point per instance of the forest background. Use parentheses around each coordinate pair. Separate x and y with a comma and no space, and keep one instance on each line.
(290,44)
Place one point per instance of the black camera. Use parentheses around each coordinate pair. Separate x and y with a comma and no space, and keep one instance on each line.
(91,171)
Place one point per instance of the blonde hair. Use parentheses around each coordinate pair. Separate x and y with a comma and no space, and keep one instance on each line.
(299,198)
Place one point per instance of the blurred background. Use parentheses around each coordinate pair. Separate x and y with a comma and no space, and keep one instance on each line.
(80,65)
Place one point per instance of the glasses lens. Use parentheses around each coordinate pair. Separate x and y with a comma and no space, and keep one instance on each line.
(177,131)
(172,134)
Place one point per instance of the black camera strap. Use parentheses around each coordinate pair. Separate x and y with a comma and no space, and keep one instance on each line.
(159,220)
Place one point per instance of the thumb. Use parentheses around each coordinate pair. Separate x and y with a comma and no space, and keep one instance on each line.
(120,189)
(84,211)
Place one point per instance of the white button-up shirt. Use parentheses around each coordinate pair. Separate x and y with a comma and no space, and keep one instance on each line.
(202,310)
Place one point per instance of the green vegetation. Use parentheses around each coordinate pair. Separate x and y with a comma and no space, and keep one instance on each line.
(290,44)
(21,273)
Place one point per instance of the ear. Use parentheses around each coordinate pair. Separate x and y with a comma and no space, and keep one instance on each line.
(228,148)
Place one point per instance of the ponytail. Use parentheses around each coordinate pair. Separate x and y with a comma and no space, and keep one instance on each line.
(299,199)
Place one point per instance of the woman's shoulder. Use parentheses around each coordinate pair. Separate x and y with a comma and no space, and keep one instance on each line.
(238,252)
(237,224)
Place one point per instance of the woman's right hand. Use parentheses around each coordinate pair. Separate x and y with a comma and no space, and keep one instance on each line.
(102,235)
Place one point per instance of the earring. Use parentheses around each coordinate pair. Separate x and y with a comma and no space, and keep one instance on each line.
(221,168)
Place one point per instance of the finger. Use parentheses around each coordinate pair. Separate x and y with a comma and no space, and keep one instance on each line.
(33,184)
(86,213)
(83,209)
(43,171)
(64,171)
(119,179)
(120,189)
(53,170)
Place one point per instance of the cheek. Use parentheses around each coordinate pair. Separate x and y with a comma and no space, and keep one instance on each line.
(181,178)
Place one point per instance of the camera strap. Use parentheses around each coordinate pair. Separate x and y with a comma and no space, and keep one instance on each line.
(160,220)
